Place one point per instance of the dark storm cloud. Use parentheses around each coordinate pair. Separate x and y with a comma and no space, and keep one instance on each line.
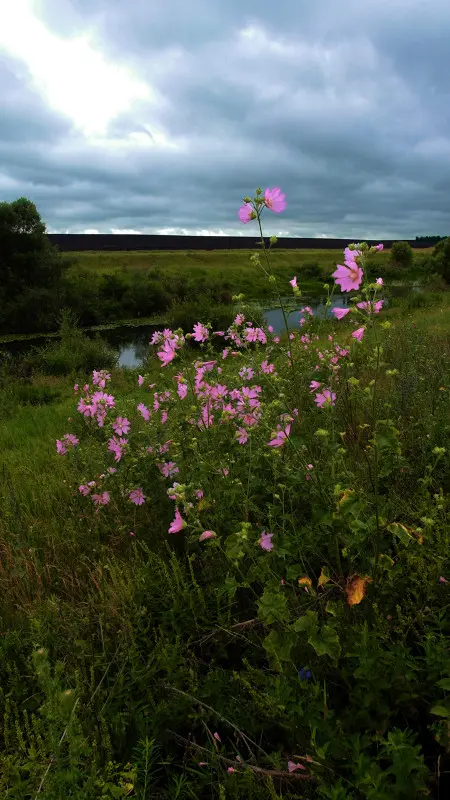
(344,105)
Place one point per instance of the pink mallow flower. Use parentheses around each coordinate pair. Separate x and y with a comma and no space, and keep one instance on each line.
(280,438)
(242,436)
(246,213)
(274,200)
(379,281)
(314,385)
(265,542)
(371,308)
(144,411)
(339,313)
(348,277)
(293,282)
(167,354)
(200,332)
(140,380)
(68,441)
(358,334)
(206,535)
(177,524)
(379,247)
(100,499)
(325,398)
(121,426)
(293,766)
(137,497)
(84,489)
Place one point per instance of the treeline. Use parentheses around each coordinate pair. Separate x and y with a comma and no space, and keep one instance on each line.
(82,242)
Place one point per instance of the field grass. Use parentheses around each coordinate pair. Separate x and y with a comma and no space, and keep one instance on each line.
(126,653)
(231,268)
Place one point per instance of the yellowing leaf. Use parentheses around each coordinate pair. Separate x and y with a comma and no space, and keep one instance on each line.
(305,581)
(323,578)
(356,589)
(348,493)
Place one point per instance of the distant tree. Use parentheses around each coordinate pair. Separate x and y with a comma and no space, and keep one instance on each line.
(441,258)
(30,267)
(402,254)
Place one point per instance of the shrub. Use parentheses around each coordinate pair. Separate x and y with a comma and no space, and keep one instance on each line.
(441,259)
(402,254)
(73,352)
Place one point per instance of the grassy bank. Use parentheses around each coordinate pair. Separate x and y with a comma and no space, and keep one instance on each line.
(137,663)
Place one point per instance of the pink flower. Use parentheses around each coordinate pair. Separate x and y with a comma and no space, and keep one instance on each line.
(280,438)
(291,336)
(246,213)
(242,436)
(358,334)
(274,199)
(293,766)
(380,281)
(276,339)
(169,469)
(137,497)
(293,282)
(200,332)
(121,426)
(206,535)
(144,411)
(267,368)
(84,489)
(167,354)
(182,390)
(140,380)
(230,770)
(199,493)
(379,247)
(246,373)
(240,319)
(371,308)
(339,313)
(265,542)
(326,398)
(68,441)
(101,499)
(351,255)
(75,388)
(217,737)
(442,579)
(225,472)
(348,277)
(164,417)
(177,524)
(314,385)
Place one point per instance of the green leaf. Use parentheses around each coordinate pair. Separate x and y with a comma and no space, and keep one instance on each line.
(308,623)
(279,644)
(444,684)
(272,606)
(440,711)
(326,642)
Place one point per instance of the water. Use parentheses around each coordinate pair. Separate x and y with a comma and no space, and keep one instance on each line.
(132,342)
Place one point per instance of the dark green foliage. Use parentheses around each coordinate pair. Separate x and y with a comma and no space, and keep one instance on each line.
(72,353)
(30,270)
(402,254)
(441,259)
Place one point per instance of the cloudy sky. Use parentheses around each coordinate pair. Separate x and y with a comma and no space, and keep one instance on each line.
(159,116)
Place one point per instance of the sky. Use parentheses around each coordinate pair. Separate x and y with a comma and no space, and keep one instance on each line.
(159,116)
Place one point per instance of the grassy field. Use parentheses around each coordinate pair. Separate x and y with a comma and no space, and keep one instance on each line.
(230,268)
(139,664)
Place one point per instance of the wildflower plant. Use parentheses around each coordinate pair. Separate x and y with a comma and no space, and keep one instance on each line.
(275,468)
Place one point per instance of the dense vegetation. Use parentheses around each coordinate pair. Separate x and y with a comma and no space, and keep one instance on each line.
(230,578)
(37,282)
